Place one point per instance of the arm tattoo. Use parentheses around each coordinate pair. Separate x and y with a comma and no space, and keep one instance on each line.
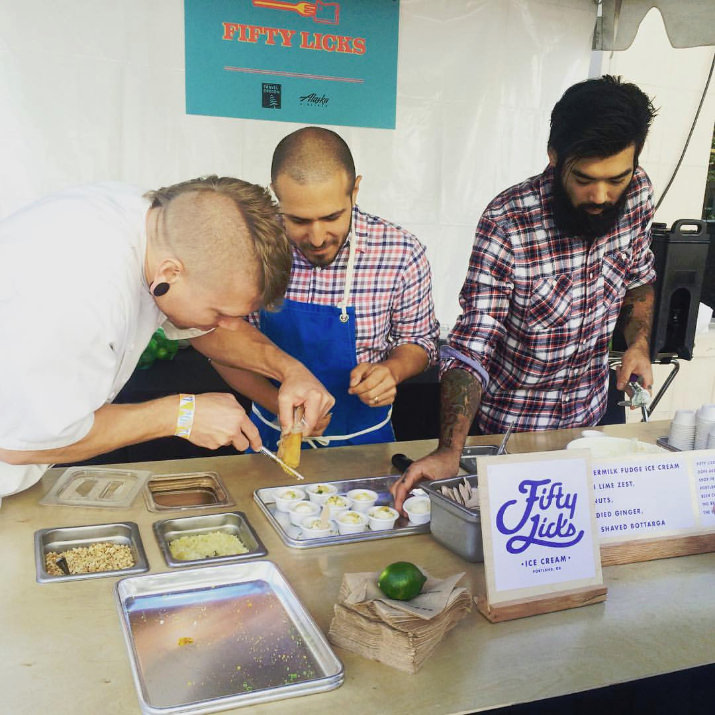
(460,395)
(636,316)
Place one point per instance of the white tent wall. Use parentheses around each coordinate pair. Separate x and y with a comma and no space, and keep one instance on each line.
(94,90)
(676,79)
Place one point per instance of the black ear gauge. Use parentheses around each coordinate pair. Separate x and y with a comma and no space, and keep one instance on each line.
(160,289)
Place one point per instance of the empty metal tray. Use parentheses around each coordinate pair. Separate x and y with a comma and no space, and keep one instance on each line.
(218,637)
(468,460)
(665,444)
(234,523)
(62,539)
(192,490)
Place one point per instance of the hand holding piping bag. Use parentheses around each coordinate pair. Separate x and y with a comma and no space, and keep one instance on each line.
(290,443)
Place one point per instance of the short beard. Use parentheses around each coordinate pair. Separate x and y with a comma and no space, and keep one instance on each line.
(576,221)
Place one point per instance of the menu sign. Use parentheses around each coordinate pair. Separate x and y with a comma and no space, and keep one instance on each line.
(652,496)
(538,524)
(704,466)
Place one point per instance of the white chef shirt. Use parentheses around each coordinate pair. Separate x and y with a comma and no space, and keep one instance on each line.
(75,315)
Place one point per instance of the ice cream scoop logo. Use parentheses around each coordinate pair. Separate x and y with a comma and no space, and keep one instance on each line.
(543,517)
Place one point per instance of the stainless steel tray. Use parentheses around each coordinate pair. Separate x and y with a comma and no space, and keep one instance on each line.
(293,536)
(217,637)
(663,442)
(233,522)
(65,538)
(454,525)
(191,490)
(468,460)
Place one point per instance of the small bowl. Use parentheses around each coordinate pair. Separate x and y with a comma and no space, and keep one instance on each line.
(286,497)
(299,510)
(311,528)
(351,522)
(337,503)
(381,517)
(418,509)
(362,499)
(318,493)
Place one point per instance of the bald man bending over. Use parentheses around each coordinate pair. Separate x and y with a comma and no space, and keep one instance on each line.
(86,277)
(358,310)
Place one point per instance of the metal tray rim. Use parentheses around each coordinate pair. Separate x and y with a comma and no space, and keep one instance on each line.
(459,509)
(141,565)
(214,560)
(210,576)
(368,535)
(665,443)
(152,506)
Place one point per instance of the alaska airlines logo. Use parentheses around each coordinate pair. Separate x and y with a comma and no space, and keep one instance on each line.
(315,100)
(529,523)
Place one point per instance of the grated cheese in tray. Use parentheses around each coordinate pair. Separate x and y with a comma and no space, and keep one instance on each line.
(204,546)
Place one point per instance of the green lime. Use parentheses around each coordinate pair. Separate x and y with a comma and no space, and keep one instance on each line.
(401,581)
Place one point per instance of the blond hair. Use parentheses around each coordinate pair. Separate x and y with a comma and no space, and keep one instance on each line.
(211,239)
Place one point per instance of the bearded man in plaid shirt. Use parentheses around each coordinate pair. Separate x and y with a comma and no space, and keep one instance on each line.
(358,309)
(557,261)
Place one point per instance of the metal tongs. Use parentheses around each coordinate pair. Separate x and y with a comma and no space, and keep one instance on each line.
(640,397)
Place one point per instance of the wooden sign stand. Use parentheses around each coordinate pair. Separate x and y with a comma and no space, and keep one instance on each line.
(666,547)
(511,610)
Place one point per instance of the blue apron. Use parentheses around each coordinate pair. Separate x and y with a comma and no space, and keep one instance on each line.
(322,337)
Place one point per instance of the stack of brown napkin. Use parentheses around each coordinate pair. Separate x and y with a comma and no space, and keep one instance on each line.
(401,634)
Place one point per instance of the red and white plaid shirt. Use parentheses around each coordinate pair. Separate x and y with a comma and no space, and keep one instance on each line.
(391,290)
(539,307)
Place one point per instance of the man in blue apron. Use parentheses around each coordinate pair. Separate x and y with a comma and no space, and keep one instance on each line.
(358,310)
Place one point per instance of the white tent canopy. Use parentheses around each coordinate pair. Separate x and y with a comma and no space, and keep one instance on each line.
(688,23)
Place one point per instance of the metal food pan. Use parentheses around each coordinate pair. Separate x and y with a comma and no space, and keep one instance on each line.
(62,539)
(192,490)
(233,522)
(292,535)
(218,637)
(468,460)
(664,442)
(454,525)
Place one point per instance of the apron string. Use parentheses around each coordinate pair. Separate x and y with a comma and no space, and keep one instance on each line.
(325,441)
(349,273)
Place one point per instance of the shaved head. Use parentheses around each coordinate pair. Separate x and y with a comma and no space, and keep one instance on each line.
(209,235)
(312,155)
(219,226)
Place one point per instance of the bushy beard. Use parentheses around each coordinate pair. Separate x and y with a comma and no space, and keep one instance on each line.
(576,221)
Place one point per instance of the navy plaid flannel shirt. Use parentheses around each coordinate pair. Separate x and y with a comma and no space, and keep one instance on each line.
(539,307)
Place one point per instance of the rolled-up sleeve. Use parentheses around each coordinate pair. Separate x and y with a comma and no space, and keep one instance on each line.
(484,299)
(642,269)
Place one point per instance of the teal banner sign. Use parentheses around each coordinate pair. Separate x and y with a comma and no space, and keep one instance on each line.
(308,62)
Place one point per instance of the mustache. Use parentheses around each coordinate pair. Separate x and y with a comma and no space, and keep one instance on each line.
(604,206)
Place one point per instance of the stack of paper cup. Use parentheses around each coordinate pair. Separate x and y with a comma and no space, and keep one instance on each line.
(711,439)
(704,422)
(682,430)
